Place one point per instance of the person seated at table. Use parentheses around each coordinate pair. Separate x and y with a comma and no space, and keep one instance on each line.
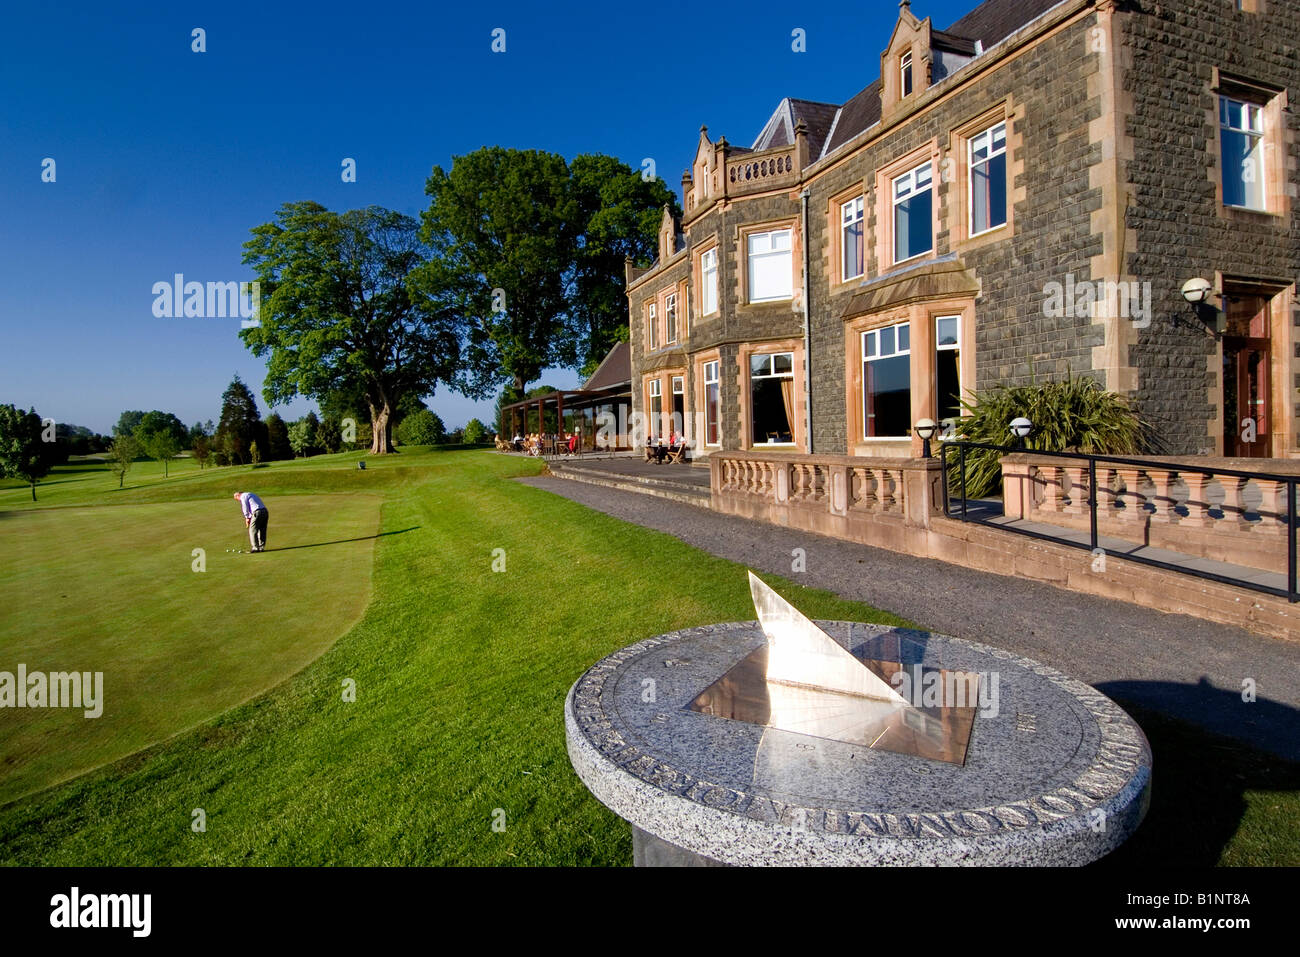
(573,443)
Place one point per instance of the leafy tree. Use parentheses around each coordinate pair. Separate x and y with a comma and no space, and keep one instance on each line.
(127,423)
(160,444)
(72,440)
(330,435)
(201,446)
(337,314)
(255,453)
(551,239)
(422,428)
(202,429)
(23,453)
(277,439)
(303,435)
(240,424)
(475,432)
(160,436)
(156,421)
(621,212)
(121,454)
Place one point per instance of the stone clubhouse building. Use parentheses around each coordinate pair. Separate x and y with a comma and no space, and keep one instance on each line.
(1018,197)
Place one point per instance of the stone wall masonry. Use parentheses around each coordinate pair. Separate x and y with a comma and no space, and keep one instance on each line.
(1174,211)
(1052,234)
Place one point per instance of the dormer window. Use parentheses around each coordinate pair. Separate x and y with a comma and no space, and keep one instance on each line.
(905,72)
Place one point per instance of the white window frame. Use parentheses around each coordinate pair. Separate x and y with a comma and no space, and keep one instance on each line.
(712,377)
(709,281)
(949,347)
(670,319)
(874,334)
(652,325)
(905,75)
(1254,129)
(656,418)
(770,374)
(971,146)
(912,176)
(853,212)
(770,253)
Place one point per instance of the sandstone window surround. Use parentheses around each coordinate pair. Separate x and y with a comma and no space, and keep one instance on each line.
(912,219)
(906,188)
(679,422)
(708,376)
(846,224)
(771,264)
(783,382)
(937,350)
(706,271)
(985,156)
(1250,146)
(654,405)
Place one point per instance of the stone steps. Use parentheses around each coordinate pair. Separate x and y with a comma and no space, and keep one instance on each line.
(676,491)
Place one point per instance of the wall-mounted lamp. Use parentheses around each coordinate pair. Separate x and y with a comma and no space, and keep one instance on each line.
(1197,292)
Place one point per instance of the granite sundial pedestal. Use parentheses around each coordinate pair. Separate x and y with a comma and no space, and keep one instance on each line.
(787,742)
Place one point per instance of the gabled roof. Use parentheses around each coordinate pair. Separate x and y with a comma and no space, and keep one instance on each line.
(997,19)
(779,131)
(614,370)
(989,23)
(858,114)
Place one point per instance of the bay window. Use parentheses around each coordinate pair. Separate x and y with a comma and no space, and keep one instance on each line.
(712,404)
(771,388)
(947,367)
(887,382)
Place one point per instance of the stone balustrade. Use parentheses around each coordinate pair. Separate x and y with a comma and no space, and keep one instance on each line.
(761,171)
(833,495)
(1176,503)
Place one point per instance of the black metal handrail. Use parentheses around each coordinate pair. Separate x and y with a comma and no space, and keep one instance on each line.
(1291,593)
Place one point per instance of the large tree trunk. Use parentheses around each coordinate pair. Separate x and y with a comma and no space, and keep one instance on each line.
(381,439)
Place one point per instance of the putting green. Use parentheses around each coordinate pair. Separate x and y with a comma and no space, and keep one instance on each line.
(114,590)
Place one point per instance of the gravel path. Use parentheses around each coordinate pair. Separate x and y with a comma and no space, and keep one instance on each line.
(1174,664)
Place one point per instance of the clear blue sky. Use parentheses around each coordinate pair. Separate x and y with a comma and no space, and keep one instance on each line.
(166,158)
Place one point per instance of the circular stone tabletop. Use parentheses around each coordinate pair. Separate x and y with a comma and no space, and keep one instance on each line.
(1054,772)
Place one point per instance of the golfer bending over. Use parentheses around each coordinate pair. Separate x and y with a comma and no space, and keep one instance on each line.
(255,516)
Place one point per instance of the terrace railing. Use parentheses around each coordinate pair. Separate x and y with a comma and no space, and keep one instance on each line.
(1211,518)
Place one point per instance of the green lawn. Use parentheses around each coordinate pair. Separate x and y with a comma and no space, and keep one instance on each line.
(116,591)
(460,677)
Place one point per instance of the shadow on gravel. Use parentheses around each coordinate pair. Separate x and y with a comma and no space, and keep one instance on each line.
(1199,777)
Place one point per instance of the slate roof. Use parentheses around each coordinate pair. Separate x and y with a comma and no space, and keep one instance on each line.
(779,131)
(989,23)
(614,370)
